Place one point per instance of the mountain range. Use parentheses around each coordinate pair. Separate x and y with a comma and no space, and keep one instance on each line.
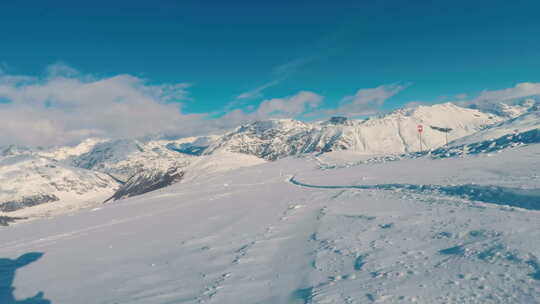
(42,182)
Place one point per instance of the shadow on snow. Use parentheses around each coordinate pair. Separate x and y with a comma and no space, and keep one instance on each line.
(515,197)
(8,267)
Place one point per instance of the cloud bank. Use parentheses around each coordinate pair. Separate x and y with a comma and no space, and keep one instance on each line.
(521,90)
(368,101)
(288,107)
(490,100)
(65,106)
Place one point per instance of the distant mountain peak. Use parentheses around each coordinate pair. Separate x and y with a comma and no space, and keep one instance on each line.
(393,133)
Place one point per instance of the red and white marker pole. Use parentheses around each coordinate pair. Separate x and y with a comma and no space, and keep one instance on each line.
(420,129)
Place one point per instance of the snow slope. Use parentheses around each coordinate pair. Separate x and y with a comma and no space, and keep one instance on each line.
(208,165)
(51,186)
(511,133)
(251,236)
(523,123)
(125,158)
(63,179)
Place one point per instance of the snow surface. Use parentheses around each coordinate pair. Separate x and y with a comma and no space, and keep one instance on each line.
(249,235)
(340,217)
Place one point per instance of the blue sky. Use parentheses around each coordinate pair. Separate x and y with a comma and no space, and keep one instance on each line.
(237,54)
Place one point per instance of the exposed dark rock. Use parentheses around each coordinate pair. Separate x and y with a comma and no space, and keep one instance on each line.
(27,201)
(5,220)
(147,181)
(337,120)
(441,129)
(189,149)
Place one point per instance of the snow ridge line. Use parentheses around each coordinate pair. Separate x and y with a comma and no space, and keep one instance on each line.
(515,197)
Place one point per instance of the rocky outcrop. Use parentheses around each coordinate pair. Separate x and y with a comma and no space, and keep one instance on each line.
(27,201)
(147,181)
(5,220)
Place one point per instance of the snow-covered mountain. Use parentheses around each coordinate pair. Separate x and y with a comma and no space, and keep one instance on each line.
(48,185)
(60,179)
(519,131)
(69,152)
(528,121)
(97,169)
(124,158)
(41,182)
(509,108)
(391,134)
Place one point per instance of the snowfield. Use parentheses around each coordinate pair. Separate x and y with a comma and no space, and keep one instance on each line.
(250,235)
(282,211)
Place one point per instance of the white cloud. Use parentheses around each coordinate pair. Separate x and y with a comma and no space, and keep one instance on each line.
(7,79)
(293,65)
(366,101)
(489,100)
(257,92)
(282,72)
(65,107)
(414,104)
(61,69)
(290,106)
(521,90)
(287,107)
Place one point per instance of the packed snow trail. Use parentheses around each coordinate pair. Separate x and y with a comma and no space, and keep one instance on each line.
(515,197)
